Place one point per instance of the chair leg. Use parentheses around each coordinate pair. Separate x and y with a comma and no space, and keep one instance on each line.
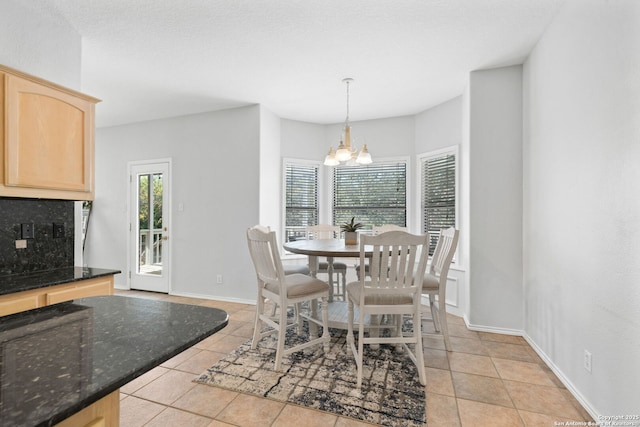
(350,339)
(297,309)
(419,354)
(360,357)
(434,313)
(282,330)
(442,317)
(326,337)
(257,323)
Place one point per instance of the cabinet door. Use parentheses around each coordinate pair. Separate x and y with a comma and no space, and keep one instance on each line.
(10,304)
(87,288)
(49,138)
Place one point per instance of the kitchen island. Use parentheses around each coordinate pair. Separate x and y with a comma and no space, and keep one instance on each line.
(68,358)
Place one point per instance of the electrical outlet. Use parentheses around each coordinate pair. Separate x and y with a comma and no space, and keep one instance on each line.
(58,230)
(219,279)
(27,231)
(587,360)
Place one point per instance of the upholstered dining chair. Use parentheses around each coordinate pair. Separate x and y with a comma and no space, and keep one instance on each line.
(284,291)
(435,280)
(393,289)
(327,231)
(378,229)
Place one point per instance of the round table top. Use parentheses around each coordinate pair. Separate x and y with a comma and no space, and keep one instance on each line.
(326,248)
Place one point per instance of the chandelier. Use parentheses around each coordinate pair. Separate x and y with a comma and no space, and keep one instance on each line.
(344,153)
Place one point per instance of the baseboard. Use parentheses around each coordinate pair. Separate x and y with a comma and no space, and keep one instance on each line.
(201,296)
(491,329)
(567,383)
(213,298)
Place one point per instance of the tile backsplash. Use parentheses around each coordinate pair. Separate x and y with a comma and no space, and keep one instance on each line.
(43,252)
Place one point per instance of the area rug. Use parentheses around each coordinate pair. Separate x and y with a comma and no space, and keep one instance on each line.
(391,394)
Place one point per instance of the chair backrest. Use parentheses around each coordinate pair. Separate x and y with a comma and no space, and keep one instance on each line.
(393,261)
(443,253)
(263,249)
(379,229)
(322,231)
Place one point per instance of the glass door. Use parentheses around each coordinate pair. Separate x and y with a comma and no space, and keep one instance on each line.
(150,227)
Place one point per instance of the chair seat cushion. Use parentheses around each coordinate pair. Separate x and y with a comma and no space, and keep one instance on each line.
(299,285)
(299,269)
(430,283)
(323,266)
(354,289)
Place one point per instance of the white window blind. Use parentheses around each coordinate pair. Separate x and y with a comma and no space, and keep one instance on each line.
(301,199)
(438,195)
(374,194)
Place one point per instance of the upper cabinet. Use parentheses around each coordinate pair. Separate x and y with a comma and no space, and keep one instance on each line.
(46,139)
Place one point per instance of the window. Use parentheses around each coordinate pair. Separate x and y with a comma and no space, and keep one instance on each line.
(438,193)
(301,198)
(374,194)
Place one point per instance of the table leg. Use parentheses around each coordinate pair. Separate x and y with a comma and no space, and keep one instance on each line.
(313,265)
(330,272)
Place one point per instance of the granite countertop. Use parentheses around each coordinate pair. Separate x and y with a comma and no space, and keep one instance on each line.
(39,279)
(56,360)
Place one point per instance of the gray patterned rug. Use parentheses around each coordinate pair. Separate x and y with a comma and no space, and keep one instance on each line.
(391,394)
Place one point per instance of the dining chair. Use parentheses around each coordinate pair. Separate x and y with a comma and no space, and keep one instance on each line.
(378,229)
(288,269)
(393,289)
(284,291)
(435,280)
(327,231)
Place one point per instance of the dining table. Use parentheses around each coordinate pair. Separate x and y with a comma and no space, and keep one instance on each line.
(330,249)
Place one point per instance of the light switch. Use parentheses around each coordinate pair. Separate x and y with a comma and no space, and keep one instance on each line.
(21,244)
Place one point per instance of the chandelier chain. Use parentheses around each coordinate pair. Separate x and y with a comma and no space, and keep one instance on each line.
(347,120)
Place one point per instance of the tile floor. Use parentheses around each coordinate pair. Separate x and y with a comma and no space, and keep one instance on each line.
(488,380)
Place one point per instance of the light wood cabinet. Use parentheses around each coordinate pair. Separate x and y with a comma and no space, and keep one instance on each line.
(103,413)
(34,298)
(46,139)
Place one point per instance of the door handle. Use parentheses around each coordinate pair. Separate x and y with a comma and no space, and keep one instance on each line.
(164,237)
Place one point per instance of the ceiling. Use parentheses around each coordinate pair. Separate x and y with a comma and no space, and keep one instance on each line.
(150,59)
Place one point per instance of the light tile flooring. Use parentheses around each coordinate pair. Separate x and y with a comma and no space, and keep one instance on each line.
(487,380)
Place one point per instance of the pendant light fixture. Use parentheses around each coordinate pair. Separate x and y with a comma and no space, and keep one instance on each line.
(344,153)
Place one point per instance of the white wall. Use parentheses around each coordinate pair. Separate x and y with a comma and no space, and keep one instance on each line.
(36,40)
(495,199)
(270,170)
(582,200)
(215,176)
(302,140)
(439,127)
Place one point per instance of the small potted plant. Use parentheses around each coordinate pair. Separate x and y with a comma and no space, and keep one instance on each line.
(351,231)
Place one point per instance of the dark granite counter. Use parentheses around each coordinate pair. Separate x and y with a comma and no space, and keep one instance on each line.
(56,360)
(26,281)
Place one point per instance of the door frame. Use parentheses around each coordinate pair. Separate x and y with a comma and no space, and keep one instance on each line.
(169,242)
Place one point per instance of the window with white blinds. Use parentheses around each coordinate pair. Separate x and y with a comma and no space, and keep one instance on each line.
(438,188)
(301,199)
(375,194)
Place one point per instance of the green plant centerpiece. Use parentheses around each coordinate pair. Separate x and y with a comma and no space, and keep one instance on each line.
(351,231)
